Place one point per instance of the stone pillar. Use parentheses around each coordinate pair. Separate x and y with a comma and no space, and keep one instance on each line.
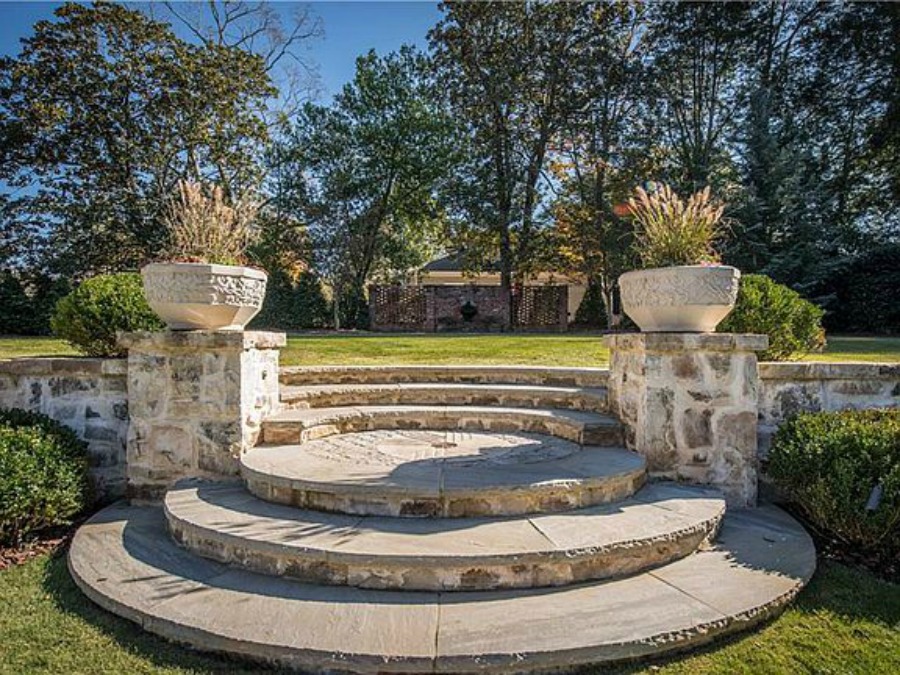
(196,401)
(689,405)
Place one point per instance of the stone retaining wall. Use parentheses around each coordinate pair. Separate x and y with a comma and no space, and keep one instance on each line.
(788,388)
(87,395)
(90,395)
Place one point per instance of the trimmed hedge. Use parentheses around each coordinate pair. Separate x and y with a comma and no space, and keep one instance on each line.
(91,315)
(861,297)
(293,304)
(843,470)
(43,474)
(793,324)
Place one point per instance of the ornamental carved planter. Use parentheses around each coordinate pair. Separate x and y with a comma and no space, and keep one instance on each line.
(689,299)
(196,296)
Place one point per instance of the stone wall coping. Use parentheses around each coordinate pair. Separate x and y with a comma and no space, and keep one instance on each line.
(203,339)
(680,342)
(64,365)
(465,368)
(826,370)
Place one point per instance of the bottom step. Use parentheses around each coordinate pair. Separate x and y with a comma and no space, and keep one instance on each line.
(124,560)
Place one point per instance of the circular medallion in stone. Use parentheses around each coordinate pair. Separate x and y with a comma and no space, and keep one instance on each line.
(457,448)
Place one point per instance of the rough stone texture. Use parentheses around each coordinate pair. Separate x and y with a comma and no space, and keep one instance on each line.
(534,375)
(197,400)
(88,396)
(504,395)
(427,473)
(662,523)
(788,388)
(689,402)
(300,426)
(124,560)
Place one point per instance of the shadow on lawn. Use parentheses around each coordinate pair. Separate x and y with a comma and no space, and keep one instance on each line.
(835,589)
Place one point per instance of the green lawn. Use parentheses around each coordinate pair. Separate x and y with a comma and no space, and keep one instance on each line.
(846,621)
(579,349)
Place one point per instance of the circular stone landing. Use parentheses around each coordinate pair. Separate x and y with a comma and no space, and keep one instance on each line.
(125,561)
(441,473)
(394,448)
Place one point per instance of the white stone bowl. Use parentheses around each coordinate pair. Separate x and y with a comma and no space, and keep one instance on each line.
(687,299)
(197,296)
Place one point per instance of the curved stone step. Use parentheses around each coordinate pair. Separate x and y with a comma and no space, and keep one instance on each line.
(427,473)
(299,426)
(591,399)
(535,375)
(124,560)
(222,521)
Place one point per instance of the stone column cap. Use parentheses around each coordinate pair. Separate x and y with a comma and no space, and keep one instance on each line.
(64,365)
(202,339)
(825,370)
(681,342)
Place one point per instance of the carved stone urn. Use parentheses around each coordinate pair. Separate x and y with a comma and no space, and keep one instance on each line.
(198,296)
(688,299)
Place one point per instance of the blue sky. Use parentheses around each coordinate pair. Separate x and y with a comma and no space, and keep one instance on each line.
(351,29)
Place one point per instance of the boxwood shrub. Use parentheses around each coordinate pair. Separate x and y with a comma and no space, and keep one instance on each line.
(91,315)
(43,474)
(843,470)
(793,324)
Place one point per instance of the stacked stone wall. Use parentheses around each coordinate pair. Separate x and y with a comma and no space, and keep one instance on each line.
(89,396)
(786,389)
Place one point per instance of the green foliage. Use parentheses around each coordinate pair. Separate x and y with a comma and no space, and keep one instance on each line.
(830,463)
(26,304)
(43,474)
(362,175)
(591,313)
(91,315)
(862,296)
(793,324)
(293,304)
(105,109)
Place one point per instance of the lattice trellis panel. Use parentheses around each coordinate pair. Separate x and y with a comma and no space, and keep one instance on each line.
(540,307)
(400,306)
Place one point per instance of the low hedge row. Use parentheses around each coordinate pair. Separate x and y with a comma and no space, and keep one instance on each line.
(43,474)
(843,470)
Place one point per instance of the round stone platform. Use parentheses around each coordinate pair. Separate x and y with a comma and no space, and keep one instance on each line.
(441,473)
(661,523)
(124,559)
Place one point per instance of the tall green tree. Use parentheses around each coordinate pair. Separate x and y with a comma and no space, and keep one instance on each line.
(507,69)
(699,50)
(102,112)
(362,174)
(606,148)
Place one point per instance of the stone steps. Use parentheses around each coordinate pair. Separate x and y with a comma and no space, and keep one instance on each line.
(532,375)
(299,426)
(591,399)
(441,474)
(663,522)
(124,560)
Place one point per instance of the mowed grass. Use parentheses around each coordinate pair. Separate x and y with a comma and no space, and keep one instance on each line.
(574,349)
(846,621)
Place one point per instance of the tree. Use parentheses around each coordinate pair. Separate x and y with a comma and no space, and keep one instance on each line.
(700,48)
(101,114)
(362,174)
(606,149)
(507,70)
(258,28)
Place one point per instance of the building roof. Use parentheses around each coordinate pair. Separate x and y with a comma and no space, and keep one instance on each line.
(453,263)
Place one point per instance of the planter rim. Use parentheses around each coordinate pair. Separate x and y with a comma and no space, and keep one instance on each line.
(208,268)
(662,270)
